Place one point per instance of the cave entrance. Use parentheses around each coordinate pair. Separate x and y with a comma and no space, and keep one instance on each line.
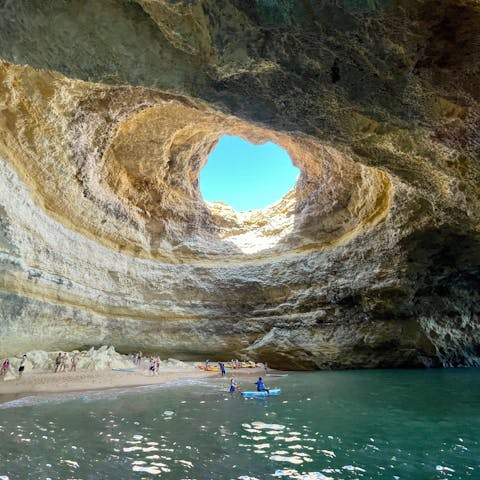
(247,176)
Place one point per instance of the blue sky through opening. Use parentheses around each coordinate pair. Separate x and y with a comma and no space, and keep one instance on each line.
(246,176)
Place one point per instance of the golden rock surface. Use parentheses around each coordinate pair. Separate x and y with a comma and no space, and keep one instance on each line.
(108,111)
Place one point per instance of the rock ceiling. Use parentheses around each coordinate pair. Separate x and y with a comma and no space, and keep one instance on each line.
(108,111)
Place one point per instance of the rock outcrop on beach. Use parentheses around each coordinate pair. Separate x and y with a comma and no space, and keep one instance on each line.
(108,111)
(103,358)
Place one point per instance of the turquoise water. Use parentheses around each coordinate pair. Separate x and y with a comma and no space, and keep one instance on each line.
(340,425)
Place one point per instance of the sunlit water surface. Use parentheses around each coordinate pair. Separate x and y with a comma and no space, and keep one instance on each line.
(340,425)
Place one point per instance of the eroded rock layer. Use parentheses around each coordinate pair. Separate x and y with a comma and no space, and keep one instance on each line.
(108,111)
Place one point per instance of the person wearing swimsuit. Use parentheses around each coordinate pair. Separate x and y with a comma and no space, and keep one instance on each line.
(21,368)
(5,367)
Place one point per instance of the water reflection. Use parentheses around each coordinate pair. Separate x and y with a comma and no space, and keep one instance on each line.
(200,431)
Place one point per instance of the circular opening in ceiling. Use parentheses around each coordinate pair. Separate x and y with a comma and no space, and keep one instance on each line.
(247,176)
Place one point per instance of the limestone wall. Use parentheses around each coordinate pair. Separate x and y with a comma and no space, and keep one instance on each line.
(108,111)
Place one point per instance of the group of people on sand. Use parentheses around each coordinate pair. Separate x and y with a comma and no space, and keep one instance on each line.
(6,367)
(137,358)
(61,361)
(236,363)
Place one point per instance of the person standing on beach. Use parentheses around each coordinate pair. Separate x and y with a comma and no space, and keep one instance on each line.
(74,362)
(152,365)
(63,362)
(5,367)
(222,368)
(21,368)
(58,362)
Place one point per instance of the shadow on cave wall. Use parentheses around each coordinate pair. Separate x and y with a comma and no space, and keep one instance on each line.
(443,259)
(444,271)
(316,46)
(442,277)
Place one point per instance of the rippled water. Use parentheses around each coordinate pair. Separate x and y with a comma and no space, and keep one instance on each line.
(339,425)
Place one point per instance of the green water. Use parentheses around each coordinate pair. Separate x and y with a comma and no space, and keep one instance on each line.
(340,425)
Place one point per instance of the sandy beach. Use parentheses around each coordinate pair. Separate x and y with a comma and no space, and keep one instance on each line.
(46,382)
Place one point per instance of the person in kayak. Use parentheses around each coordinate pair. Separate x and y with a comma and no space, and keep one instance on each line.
(260,386)
(233,386)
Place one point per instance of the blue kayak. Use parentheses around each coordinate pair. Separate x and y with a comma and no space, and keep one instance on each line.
(273,391)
